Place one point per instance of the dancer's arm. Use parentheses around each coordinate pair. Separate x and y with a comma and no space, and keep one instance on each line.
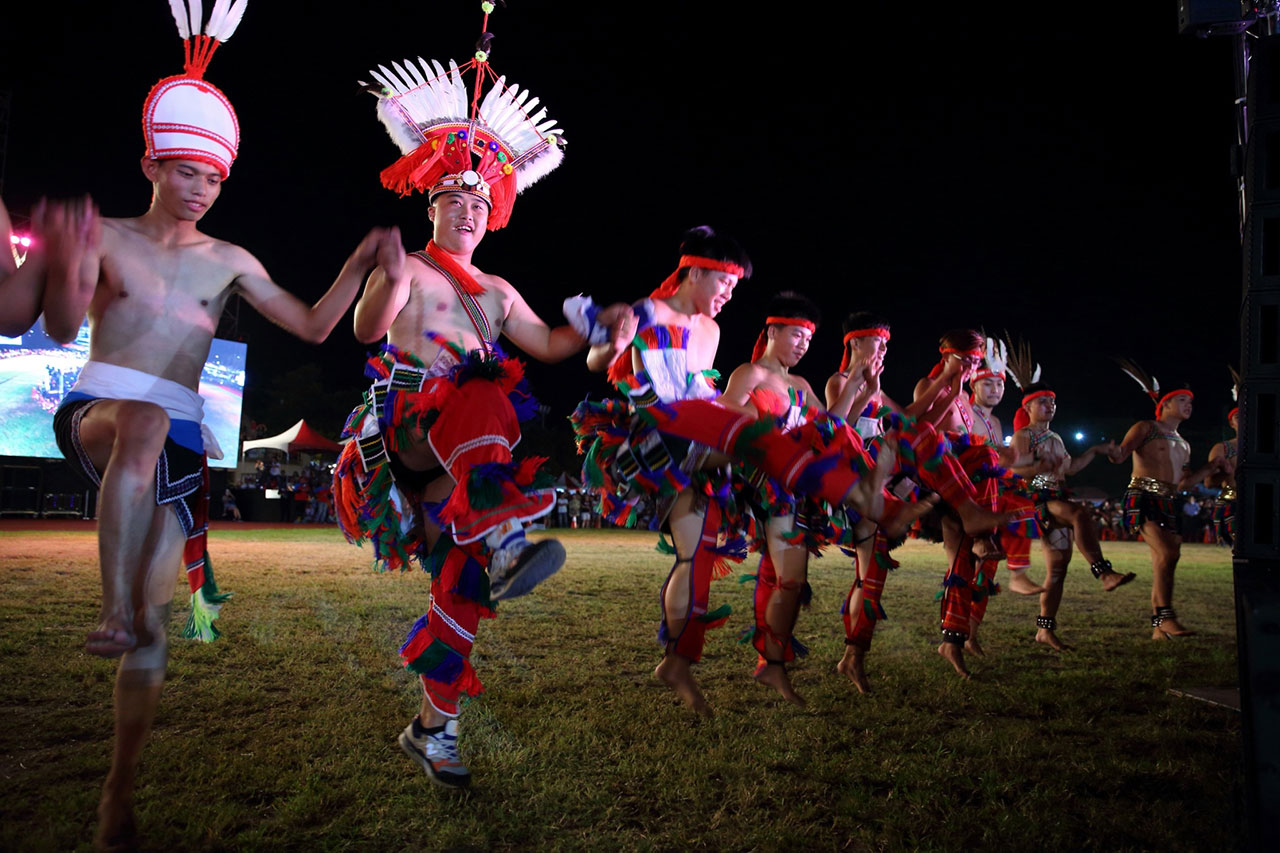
(1132,441)
(21,288)
(74,239)
(312,323)
(1082,461)
(848,396)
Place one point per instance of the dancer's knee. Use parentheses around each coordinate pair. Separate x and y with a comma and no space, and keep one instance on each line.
(145,665)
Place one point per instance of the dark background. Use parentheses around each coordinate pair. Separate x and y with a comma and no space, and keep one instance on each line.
(1062,176)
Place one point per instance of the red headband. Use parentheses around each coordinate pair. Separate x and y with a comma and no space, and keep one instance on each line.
(1167,397)
(1036,394)
(1231,414)
(763,340)
(671,284)
(860,333)
(985,373)
(937,368)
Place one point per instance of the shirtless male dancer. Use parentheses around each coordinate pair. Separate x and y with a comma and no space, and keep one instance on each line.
(854,393)
(1059,518)
(154,288)
(962,353)
(787,533)
(430,475)
(1152,506)
(1224,506)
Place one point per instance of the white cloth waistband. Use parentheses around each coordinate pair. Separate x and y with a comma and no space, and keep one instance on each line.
(113,382)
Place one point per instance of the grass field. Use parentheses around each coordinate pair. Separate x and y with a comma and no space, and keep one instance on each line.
(281,735)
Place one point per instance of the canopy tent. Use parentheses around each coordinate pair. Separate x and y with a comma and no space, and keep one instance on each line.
(297,438)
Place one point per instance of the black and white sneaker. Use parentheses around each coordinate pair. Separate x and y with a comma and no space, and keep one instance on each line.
(518,568)
(437,752)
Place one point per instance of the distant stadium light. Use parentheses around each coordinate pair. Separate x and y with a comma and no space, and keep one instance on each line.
(1079,436)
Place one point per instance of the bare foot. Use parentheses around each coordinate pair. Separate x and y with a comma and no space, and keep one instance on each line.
(851,666)
(1111,580)
(1170,628)
(953,653)
(980,521)
(903,521)
(1023,585)
(111,638)
(116,827)
(775,676)
(1050,639)
(972,646)
(673,671)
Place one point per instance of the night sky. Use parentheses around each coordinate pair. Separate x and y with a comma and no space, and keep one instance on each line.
(1063,178)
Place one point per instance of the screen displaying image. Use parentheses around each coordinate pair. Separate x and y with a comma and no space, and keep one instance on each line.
(36,373)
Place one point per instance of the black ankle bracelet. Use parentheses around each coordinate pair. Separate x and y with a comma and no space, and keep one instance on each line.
(1100,567)
(956,637)
(1161,614)
(1047,622)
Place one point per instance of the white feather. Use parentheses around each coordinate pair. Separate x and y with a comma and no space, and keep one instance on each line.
(1155,385)
(232,20)
(216,17)
(197,15)
(179,10)
(1135,378)
(1035,376)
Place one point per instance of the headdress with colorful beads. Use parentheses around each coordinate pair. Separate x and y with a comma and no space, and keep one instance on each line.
(490,144)
(185,117)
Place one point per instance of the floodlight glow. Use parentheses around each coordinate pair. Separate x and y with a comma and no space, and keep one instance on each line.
(1079,436)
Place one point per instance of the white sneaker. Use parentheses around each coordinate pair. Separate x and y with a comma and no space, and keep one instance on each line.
(518,568)
(438,754)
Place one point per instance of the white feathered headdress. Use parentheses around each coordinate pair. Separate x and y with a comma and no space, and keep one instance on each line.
(185,117)
(1022,369)
(1150,384)
(995,362)
(492,146)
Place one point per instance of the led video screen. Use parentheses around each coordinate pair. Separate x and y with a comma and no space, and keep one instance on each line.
(35,374)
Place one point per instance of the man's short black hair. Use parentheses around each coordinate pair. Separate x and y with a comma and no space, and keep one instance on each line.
(788,303)
(704,242)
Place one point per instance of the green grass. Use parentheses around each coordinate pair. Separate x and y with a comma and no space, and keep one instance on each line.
(282,734)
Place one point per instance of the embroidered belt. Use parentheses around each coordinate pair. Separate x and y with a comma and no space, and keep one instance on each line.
(1152,486)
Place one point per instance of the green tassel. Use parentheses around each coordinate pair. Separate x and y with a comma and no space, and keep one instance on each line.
(199,624)
(746,578)
(435,654)
(869,609)
(721,612)
(937,596)
(483,492)
(663,546)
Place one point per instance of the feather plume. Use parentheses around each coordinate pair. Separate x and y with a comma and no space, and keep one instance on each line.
(229,21)
(197,14)
(997,357)
(1022,369)
(216,18)
(179,10)
(1235,383)
(1147,382)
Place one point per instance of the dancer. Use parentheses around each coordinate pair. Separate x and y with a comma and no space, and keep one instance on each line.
(1058,519)
(1225,453)
(429,475)
(792,527)
(963,351)
(1152,502)
(855,389)
(154,287)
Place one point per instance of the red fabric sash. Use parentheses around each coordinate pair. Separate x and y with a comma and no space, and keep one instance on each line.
(455,269)
(860,333)
(763,340)
(671,283)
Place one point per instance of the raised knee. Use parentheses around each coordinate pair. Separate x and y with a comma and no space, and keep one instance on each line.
(143,423)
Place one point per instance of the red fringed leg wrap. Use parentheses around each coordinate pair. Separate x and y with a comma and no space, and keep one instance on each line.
(438,648)
(862,608)
(473,438)
(689,642)
(957,592)
(984,586)
(801,460)
(1017,550)
(767,586)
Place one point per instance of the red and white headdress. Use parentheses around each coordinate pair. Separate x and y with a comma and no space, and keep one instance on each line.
(185,117)
(492,147)
(994,363)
